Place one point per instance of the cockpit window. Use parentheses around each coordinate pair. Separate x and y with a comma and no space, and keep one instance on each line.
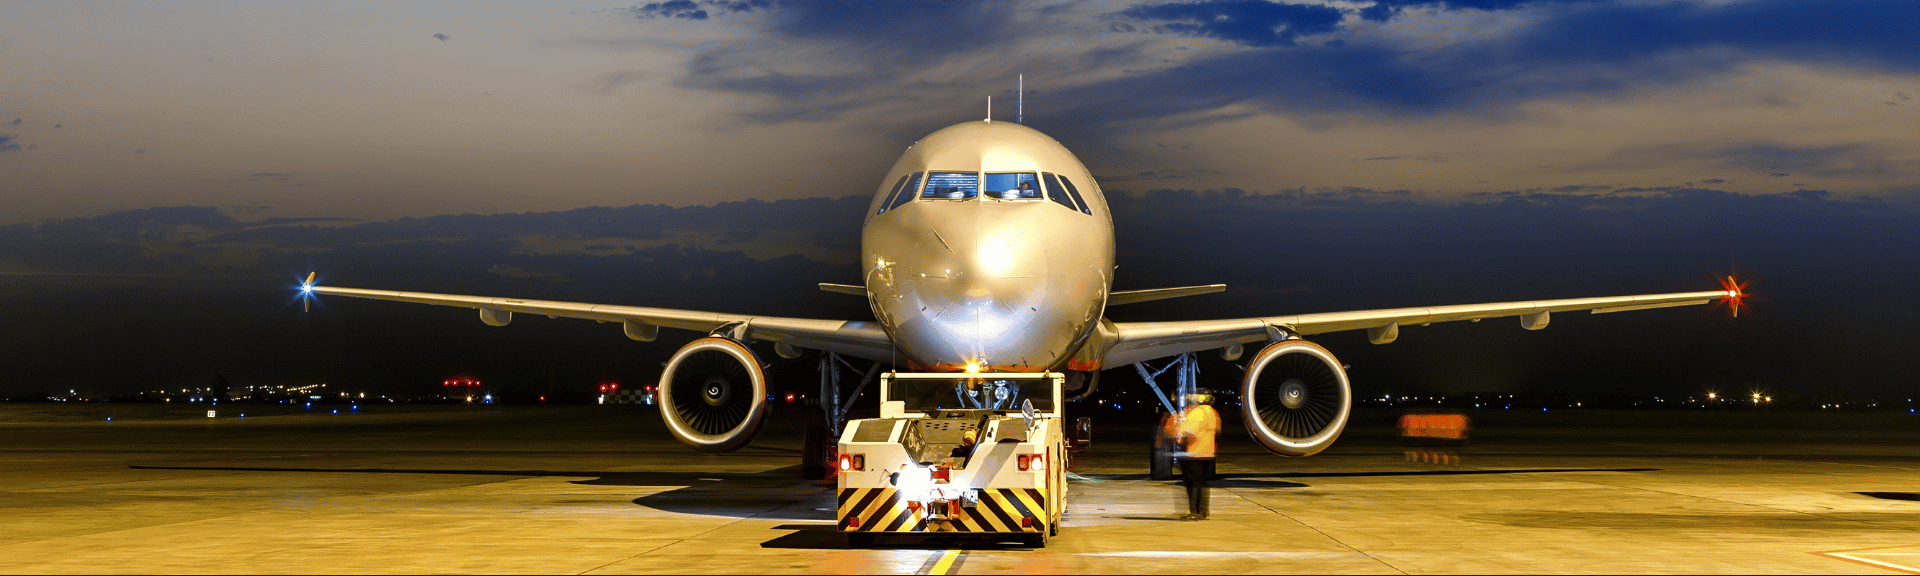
(905,193)
(1057,194)
(887,204)
(952,185)
(1075,193)
(1012,186)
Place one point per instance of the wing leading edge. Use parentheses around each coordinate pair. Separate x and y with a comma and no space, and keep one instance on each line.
(858,339)
(1120,343)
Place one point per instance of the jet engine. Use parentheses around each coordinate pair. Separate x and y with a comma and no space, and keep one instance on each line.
(713,395)
(1295,398)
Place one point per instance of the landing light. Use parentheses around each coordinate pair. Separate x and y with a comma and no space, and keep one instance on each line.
(973,367)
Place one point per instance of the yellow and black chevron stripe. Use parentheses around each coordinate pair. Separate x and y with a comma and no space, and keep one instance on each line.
(999,510)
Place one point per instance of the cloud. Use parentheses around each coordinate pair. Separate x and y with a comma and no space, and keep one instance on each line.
(698,9)
(1248,22)
(259,176)
(7,143)
(1162,174)
(820,60)
(15,122)
(1775,159)
(442,37)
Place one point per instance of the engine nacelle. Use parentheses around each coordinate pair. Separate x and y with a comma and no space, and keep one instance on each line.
(1295,398)
(713,395)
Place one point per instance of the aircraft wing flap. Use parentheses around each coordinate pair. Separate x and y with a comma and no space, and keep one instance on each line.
(858,339)
(1124,343)
(1361,319)
(1132,296)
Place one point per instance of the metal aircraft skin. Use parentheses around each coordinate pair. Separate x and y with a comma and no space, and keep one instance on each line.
(988,247)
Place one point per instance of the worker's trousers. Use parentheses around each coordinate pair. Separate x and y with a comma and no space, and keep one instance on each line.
(1197,472)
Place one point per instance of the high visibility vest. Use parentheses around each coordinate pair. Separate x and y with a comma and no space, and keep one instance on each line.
(1199,425)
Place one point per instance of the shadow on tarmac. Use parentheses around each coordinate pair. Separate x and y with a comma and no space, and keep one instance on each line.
(768,494)
(787,475)
(1271,479)
(1908,496)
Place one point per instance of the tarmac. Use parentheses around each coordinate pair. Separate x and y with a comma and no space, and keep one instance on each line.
(604,489)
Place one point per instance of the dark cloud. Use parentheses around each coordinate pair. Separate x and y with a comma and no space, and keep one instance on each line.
(1248,22)
(140,151)
(1569,48)
(1713,181)
(870,43)
(698,9)
(1165,174)
(258,176)
(1776,159)
(279,220)
(15,122)
(7,143)
(442,37)
(1587,48)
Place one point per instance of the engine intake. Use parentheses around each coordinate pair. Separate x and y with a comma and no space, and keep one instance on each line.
(1295,398)
(713,395)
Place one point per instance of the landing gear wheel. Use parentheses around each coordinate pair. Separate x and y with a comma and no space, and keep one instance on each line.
(1161,467)
(815,453)
(859,540)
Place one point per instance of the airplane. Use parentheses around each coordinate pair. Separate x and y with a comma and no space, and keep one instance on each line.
(988,247)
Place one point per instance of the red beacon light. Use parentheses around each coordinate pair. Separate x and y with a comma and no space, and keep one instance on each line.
(1736,295)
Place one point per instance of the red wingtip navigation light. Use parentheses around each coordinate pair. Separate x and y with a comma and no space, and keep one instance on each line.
(1736,295)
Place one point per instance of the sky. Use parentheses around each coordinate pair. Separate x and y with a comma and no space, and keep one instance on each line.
(168,170)
(382,109)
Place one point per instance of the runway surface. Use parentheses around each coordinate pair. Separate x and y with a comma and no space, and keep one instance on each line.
(605,490)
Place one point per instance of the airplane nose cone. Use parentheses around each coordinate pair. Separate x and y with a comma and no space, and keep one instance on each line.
(971,292)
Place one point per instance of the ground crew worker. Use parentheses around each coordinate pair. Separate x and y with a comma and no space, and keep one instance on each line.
(1197,427)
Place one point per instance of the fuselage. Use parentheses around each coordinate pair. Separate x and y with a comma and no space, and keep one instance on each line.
(988,245)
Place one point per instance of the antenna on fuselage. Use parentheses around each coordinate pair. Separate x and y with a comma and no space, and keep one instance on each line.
(989,108)
(1020,99)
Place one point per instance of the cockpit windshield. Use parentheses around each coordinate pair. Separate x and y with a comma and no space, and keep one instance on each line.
(952,185)
(1012,186)
(928,394)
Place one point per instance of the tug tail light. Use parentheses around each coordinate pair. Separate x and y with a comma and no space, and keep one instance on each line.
(1033,462)
(853,462)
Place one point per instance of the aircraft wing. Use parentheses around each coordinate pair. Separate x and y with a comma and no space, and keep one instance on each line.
(1121,343)
(858,339)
